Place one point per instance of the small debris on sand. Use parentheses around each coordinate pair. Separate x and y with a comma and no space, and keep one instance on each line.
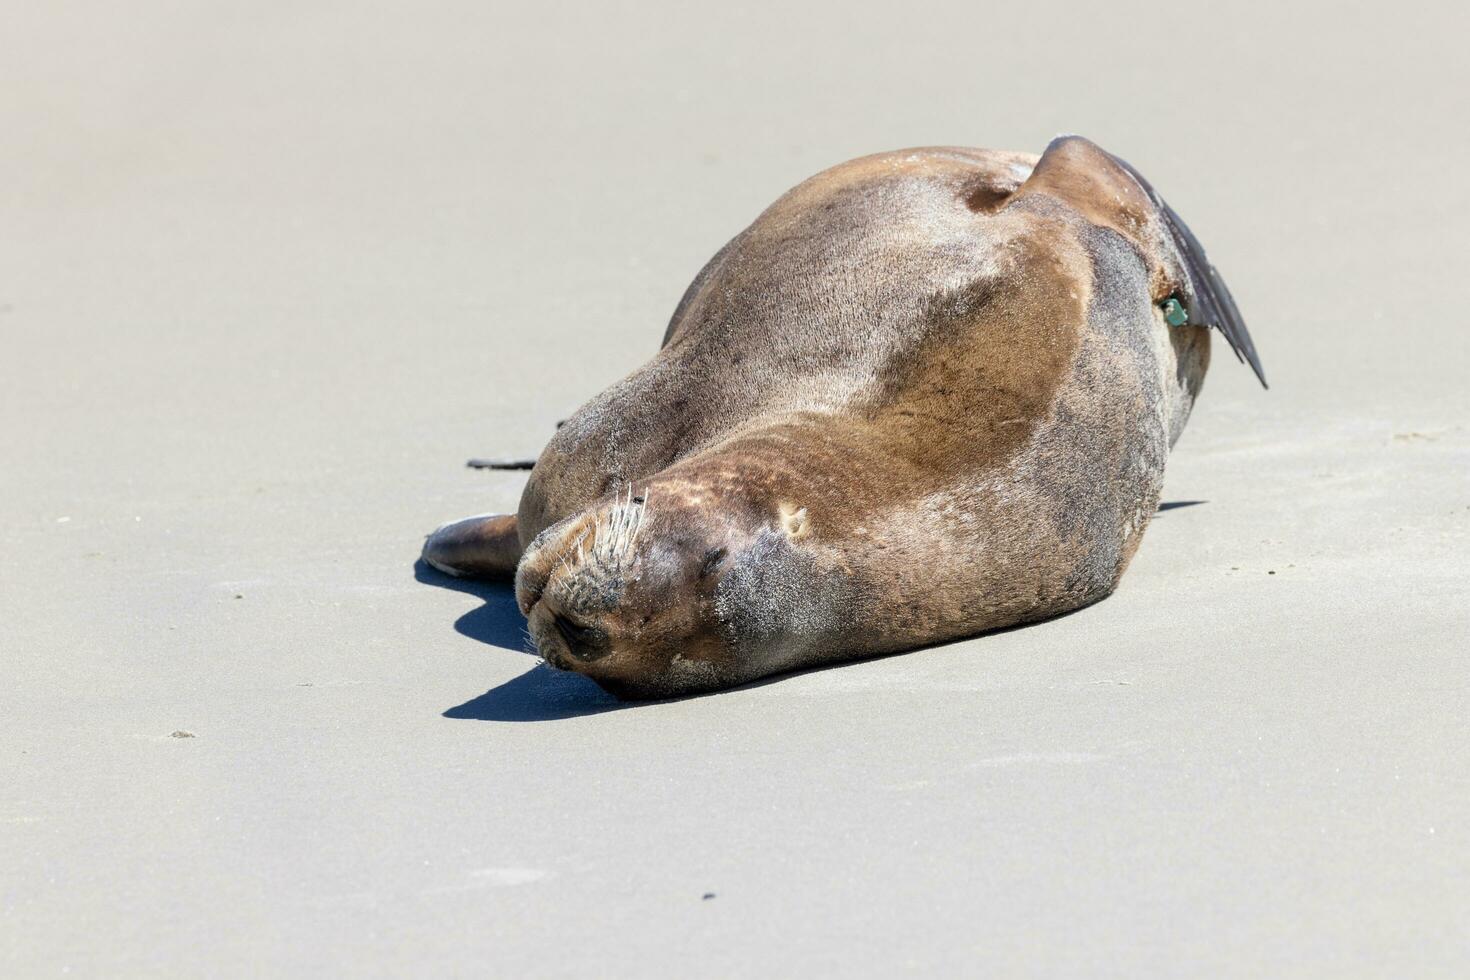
(180,733)
(707,896)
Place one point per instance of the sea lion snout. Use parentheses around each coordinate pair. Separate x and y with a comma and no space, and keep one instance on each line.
(625,592)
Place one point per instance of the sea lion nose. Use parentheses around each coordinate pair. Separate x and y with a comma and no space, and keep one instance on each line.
(586,643)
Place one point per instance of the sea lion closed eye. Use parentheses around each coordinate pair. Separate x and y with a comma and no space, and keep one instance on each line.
(926,394)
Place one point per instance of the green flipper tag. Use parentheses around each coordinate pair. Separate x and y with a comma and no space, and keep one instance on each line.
(1174,312)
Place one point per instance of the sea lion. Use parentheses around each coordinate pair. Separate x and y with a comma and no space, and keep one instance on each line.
(927,394)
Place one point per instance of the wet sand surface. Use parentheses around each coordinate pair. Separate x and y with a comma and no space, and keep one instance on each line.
(268,276)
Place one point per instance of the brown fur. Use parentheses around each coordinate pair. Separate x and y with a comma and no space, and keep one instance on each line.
(926,394)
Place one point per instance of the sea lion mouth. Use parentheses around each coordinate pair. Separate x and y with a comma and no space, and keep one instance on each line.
(565,640)
(585,643)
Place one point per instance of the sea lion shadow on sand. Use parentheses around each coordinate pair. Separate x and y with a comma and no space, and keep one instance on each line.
(546,694)
(541,693)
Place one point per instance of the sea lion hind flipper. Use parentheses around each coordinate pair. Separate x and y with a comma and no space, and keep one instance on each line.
(1213,305)
(485,546)
(1111,193)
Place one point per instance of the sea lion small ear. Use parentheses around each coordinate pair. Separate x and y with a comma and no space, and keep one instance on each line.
(1081,173)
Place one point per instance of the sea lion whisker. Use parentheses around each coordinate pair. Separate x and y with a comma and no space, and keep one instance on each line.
(642,512)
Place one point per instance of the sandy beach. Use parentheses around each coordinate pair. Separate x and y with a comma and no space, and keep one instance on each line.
(269,275)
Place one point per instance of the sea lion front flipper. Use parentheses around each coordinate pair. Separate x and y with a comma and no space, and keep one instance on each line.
(486,546)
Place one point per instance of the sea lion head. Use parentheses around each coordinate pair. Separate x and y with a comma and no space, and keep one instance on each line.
(662,590)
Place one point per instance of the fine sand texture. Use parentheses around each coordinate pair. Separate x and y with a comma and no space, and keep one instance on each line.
(271,272)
